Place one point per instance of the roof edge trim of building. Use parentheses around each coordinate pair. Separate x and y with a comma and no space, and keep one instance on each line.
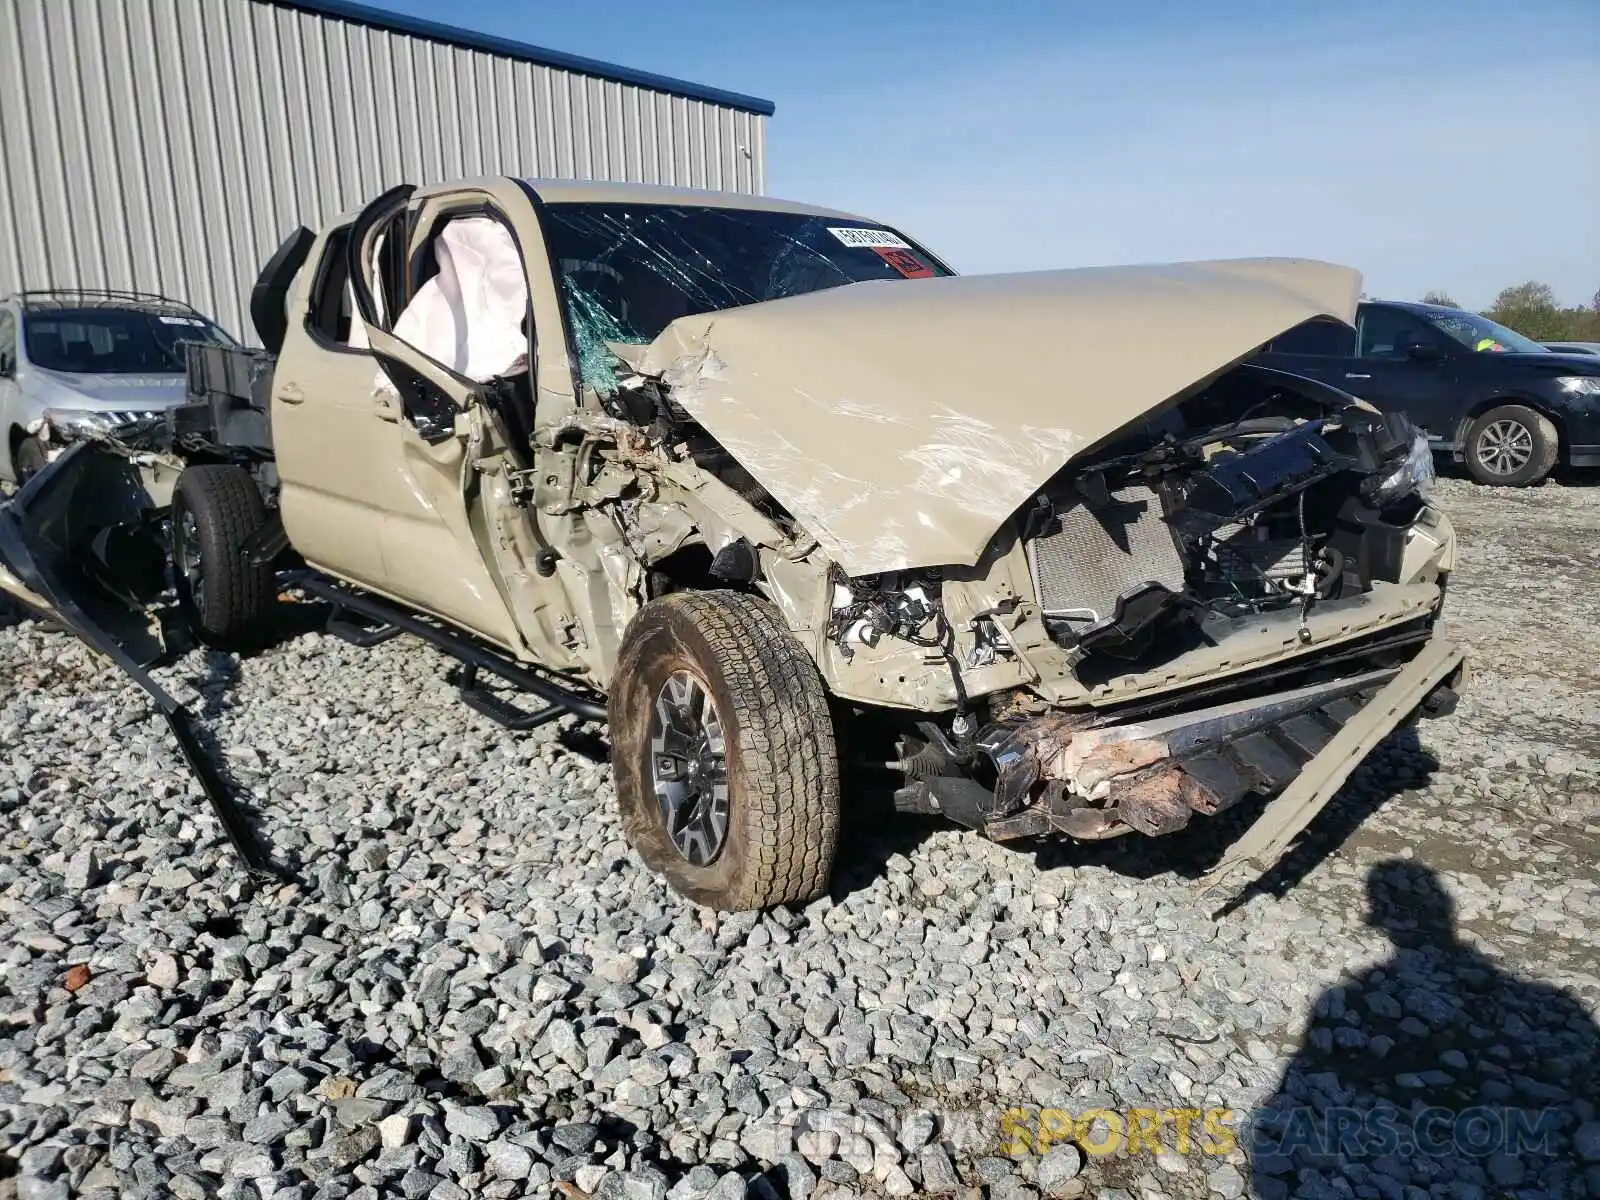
(378,18)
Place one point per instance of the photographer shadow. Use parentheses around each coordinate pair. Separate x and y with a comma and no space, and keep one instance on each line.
(1434,1066)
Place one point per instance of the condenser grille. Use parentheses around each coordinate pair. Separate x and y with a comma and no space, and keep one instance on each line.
(1243,557)
(1095,555)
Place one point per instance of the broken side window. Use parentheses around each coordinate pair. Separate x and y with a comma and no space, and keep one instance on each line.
(330,308)
(630,270)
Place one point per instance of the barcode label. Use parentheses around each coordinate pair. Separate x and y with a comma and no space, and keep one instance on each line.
(870,238)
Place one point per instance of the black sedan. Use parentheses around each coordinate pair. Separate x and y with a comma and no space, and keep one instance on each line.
(1507,407)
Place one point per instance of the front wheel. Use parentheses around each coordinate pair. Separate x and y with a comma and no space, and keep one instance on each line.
(722,743)
(1511,446)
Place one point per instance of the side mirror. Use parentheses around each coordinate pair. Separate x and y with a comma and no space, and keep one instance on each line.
(425,404)
(1418,350)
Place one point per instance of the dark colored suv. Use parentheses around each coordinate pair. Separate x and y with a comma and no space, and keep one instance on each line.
(1506,406)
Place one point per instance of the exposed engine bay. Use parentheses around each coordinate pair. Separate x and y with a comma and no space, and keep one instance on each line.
(1252,516)
(1190,615)
(1182,528)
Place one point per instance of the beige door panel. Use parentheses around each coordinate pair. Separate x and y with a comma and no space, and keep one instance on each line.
(363,496)
(430,551)
(336,459)
(386,493)
(499,531)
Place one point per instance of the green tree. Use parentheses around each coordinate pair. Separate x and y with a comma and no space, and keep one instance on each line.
(1435,296)
(1531,309)
(1526,297)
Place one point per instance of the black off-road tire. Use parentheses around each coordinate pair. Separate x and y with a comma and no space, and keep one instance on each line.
(29,460)
(1545,445)
(234,605)
(782,764)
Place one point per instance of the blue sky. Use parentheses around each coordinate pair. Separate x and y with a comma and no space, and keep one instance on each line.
(1451,145)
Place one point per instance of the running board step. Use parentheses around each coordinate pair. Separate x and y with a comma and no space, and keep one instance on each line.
(502,712)
(357,634)
(460,645)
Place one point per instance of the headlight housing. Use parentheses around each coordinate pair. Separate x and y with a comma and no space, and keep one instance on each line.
(80,422)
(1579,385)
(1414,473)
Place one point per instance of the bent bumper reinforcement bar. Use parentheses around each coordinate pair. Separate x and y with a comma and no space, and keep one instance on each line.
(1440,663)
(1151,777)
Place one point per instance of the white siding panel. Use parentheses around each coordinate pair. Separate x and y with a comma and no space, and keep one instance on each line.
(169,145)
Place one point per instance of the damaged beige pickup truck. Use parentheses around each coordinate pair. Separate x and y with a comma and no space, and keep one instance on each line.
(777,495)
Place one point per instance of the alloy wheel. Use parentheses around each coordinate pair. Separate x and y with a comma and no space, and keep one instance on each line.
(689,768)
(1504,447)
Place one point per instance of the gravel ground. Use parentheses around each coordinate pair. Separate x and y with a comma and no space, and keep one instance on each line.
(472,989)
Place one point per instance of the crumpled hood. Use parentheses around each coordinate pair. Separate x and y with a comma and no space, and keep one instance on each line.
(103,393)
(902,422)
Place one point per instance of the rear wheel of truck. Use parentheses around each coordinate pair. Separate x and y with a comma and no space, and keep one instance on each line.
(722,743)
(1511,446)
(226,598)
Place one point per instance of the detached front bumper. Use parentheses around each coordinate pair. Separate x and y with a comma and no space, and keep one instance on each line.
(1152,777)
(74,543)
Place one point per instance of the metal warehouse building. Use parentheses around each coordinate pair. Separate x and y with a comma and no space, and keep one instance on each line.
(169,145)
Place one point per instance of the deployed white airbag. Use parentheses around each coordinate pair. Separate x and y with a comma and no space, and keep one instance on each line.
(469,316)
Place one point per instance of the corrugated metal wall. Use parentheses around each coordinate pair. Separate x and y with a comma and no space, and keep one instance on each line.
(169,145)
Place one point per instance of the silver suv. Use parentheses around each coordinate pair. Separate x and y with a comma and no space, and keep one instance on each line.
(76,363)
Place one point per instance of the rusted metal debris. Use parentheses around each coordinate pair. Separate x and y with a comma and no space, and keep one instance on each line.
(1158,800)
(1090,761)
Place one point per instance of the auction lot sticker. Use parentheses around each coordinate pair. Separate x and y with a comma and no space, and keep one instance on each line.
(869,238)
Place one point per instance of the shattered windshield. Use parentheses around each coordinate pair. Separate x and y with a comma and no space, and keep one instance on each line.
(630,270)
(1483,335)
(113,341)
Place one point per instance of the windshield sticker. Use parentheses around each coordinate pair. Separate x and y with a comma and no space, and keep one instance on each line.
(179,320)
(904,261)
(869,238)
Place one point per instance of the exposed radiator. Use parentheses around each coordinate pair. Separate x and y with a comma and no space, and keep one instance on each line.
(1092,556)
(1244,557)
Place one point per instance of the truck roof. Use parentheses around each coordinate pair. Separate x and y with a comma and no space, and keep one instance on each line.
(561,191)
(596,191)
